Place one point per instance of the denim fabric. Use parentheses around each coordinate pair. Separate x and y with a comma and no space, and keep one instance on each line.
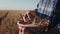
(58,27)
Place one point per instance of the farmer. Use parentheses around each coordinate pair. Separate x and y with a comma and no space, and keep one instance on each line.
(45,9)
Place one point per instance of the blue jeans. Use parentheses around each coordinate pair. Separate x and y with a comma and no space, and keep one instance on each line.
(58,27)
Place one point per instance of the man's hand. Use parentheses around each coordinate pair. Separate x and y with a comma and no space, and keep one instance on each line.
(28,17)
(23,30)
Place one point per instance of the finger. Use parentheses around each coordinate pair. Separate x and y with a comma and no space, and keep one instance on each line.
(24,18)
(28,16)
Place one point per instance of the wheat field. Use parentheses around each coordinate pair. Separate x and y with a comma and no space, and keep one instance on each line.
(8,24)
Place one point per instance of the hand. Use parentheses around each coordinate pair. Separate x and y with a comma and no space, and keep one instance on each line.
(44,22)
(28,16)
(23,30)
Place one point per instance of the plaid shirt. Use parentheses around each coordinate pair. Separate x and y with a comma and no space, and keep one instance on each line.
(46,7)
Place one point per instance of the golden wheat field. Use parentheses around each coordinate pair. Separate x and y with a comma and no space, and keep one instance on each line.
(8,23)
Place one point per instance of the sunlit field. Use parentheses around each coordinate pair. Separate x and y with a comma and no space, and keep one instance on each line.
(8,22)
